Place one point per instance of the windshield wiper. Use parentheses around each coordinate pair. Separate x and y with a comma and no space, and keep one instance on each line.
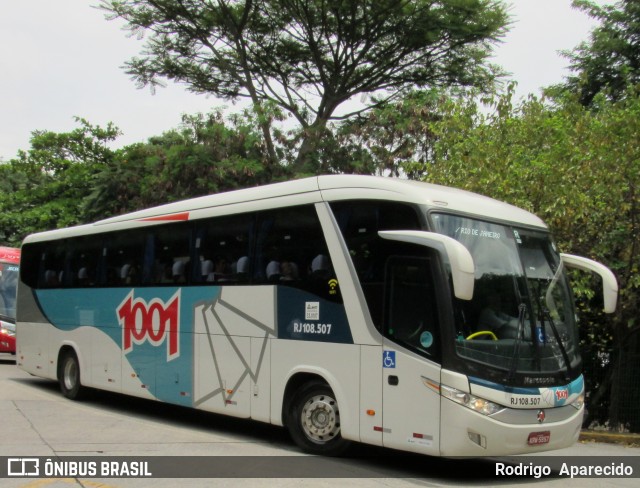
(546,314)
(522,308)
(563,350)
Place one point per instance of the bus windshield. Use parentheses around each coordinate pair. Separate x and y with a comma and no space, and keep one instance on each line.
(521,320)
(8,284)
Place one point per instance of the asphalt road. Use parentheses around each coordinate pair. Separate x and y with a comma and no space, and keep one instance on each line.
(38,422)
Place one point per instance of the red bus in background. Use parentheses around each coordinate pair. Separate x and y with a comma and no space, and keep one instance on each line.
(9,271)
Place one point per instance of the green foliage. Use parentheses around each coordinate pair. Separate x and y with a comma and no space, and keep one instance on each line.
(310,57)
(204,156)
(44,187)
(396,138)
(73,178)
(610,61)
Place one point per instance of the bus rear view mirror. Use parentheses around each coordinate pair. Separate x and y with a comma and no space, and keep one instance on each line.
(609,282)
(462,267)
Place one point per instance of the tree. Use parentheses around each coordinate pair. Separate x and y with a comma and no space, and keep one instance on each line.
(204,155)
(72,178)
(610,60)
(308,57)
(396,137)
(45,186)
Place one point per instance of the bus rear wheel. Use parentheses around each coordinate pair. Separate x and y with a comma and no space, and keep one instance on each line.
(69,376)
(314,420)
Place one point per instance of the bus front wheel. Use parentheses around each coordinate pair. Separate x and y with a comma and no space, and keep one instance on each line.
(69,376)
(314,420)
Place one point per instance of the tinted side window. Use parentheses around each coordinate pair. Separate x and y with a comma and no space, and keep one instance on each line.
(291,250)
(167,255)
(29,264)
(70,263)
(124,253)
(83,262)
(52,256)
(223,250)
(360,221)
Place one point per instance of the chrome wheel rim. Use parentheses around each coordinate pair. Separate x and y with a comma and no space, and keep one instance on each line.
(70,375)
(320,418)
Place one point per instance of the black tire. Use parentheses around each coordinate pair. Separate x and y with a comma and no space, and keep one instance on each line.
(69,376)
(314,420)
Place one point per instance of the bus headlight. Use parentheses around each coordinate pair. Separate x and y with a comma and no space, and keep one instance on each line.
(473,402)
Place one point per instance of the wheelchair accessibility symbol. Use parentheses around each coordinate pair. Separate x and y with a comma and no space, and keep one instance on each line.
(388,359)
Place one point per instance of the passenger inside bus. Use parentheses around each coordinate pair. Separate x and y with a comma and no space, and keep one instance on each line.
(220,270)
(288,271)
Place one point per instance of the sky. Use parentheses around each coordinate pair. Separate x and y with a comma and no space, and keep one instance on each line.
(62,59)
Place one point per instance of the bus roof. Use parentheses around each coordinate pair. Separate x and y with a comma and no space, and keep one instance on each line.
(10,255)
(316,189)
(433,196)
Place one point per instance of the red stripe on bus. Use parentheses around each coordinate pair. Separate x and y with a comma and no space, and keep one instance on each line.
(173,217)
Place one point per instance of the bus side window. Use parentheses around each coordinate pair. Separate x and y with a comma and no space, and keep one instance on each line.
(167,255)
(52,259)
(83,262)
(124,253)
(223,249)
(360,221)
(291,250)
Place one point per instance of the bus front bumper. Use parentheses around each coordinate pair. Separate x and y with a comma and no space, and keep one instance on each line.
(468,433)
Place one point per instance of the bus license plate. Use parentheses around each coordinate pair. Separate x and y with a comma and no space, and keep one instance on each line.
(538,438)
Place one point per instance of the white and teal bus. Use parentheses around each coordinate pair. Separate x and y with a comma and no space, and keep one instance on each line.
(346,308)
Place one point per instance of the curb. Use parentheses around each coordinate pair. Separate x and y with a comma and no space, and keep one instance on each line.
(610,437)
